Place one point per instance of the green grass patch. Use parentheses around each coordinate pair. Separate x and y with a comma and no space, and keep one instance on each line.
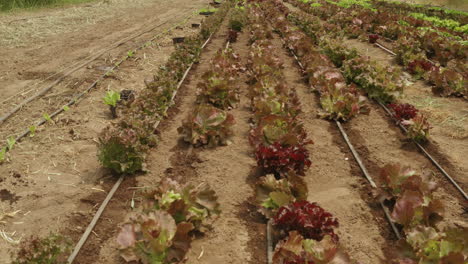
(9,5)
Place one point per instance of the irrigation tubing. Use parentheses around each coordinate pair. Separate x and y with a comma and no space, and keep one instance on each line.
(109,196)
(72,70)
(94,84)
(355,154)
(429,156)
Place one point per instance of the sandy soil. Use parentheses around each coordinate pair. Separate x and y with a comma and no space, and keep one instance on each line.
(54,178)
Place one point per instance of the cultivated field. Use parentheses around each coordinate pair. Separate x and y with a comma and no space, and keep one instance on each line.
(282,131)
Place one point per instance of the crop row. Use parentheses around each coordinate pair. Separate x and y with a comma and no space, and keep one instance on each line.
(408,194)
(382,84)
(123,144)
(163,228)
(305,230)
(443,13)
(415,50)
(446,26)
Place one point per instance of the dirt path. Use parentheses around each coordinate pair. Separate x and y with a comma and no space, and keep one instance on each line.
(54,177)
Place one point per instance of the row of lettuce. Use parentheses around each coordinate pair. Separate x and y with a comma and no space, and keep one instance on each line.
(384,84)
(409,195)
(304,230)
(162,229)
(123,144)
(456,26)
(432,11)
(422,50)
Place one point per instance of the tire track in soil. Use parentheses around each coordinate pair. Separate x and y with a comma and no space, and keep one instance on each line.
(334,181)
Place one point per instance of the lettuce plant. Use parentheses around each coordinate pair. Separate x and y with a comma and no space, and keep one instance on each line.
(217,90)
(276,105)
(279,129)
(161,230)
(120,150)
(309,219)
(49,250)
(272,193)
(414,203)
(207,125)
(154,238)
(295,249)
(419,67)
(427,245)
(418,128)
(403,111)
(111,99)
(373,38)
(277,158)
(185,203)
(448,81)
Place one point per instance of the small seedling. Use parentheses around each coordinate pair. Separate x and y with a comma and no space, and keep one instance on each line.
(47,117)
(32,130)
(11,142)
(130,53)
(111,99)
(66,108)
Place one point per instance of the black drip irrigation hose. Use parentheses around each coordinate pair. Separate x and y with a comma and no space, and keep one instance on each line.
(109,196)
(429,156)
(94,84)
